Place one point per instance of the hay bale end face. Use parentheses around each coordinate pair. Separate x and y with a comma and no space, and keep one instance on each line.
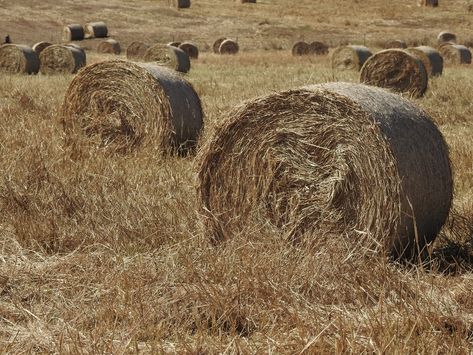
(318,48)
(217,43)
(428,3)
(330,159)
(396,43)
(169,56)
(95,30)
(397,70)
(300,48)
(136,50)
(350,57)
(228,46)
(190,49)
(182,4)
(110,46)
(455,53)
(40,46)
(18,59)
(120,105)
(59,59)
(430,57)
(73,32)
(445,36)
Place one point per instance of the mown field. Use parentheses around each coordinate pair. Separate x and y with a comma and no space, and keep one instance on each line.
(105,253)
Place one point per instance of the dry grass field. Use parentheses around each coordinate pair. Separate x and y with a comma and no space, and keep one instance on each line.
(105,253)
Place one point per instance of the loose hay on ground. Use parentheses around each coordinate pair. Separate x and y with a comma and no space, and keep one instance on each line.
(350,57)
(169,56)
(430,57)
(62,59)
(18,59)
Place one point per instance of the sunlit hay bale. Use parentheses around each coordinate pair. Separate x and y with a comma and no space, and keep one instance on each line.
(455,53)
(59,59)
(446,37)
(122,105)
(395,43)
(217,43)
(174,44)
(182,4)
(74,32)
(397,70)
(136,50)
(168,56)
(350,57)
(430,57)
(428,3)
(40,46)
(229,46)
(329,159)
(95,30)
(109,46)
(318,48)
(18,59)
(190,49)
(300,48)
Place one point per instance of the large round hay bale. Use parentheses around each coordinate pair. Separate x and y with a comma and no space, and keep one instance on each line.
(73,32)
(300,48)
(328,159)
(40,46)
(168,56)
(136,50)
(61,59)
(229,46)
(217,43)
(455,53)
(350,57)
(122,105)
(428,3)
(430,57)
(395,43)
(182,4)
(109,46)
(446,37)
(18,59)
(95,30)
(190,49)
(318,48)
(397,70)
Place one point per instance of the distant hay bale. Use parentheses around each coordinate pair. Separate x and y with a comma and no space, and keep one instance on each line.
(136,50)
(109,46)
(190,49)
(300,48)
(168,56)
(397,70)
(329,159)
(318,48)
(228,46)
(430,57)
(455,53)
(40,46)
(95,30)
(247,1)
(182,4)
(122,105)
(395,43)
(217,43)
(73,32)
(446,37)
(61,59)
(174,44)
(350,57)
(18,59)
(428,3)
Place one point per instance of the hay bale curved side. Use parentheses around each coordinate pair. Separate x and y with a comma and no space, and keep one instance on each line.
(58,59)
(300,48)
(40,46)
(430,57)
(136,50)
(395,43)
(229,46)
(122,105)
(95,30)
(351,57)
(397,70)
(455,53)
(217,43)
(327,160)
(318,48)
(18,59)
(169,56)
(446,37)
(190,49)
(109,46)
(73,32)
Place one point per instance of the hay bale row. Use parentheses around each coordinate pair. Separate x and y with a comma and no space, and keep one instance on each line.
(329,159)
(225,45)
(430,57)
(62,59)
(169,56)
(109,46)
(302,48)
(122,105)
(455,53)
(350,57)
(18,59)
(95,30)
(136,50)
(73,32)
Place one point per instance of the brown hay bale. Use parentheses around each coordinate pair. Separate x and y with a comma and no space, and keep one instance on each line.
(445,36)
(169,56)
(95,30)
(217,43)
(190,49)
(397,70)
(122,105)
(40,46)
(18,59)
(174,44)
(228,46)
(73,32)
(59,59)
(182,4)
(109,46)
(300,48)
(317,48)
(395,43)
(247,1)
(428,3)
(328,159)
(455,53)
(350,57)
(136,50)
(430,57)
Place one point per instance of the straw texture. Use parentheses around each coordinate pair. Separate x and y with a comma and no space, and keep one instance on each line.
(168,56)
(396,43)
(109,46)
(58,59)
(18,59)
(136,50)
(350,57)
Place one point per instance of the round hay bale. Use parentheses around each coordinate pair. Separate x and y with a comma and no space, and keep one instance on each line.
(174,44)
(300,48)
(136,50)
(428,3)
(317,48)
(217,43)
(95,30)
(395,43)
(40,46)
(73,32)
(190,49)
(61,59)
(446,37)
(455,53)
(182,4)
(350,57)
(109,46)
(430,57)
(18,59)
(122,105)
(228,46)
(169,56)
(79,48)
(247,1)
(328,159)
(397,70)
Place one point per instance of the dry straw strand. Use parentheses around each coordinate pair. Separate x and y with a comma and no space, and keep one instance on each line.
(330,159)
(122,105)
(95,30)
(351,57)
(18,59)
(73,32)
(430,57)
(445,36)
(229,46)
(190,49)
(40,46)
(217,43)
(455,53)
(62,59)
(169,56)
(109,46)
(318,48)
(136,50)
